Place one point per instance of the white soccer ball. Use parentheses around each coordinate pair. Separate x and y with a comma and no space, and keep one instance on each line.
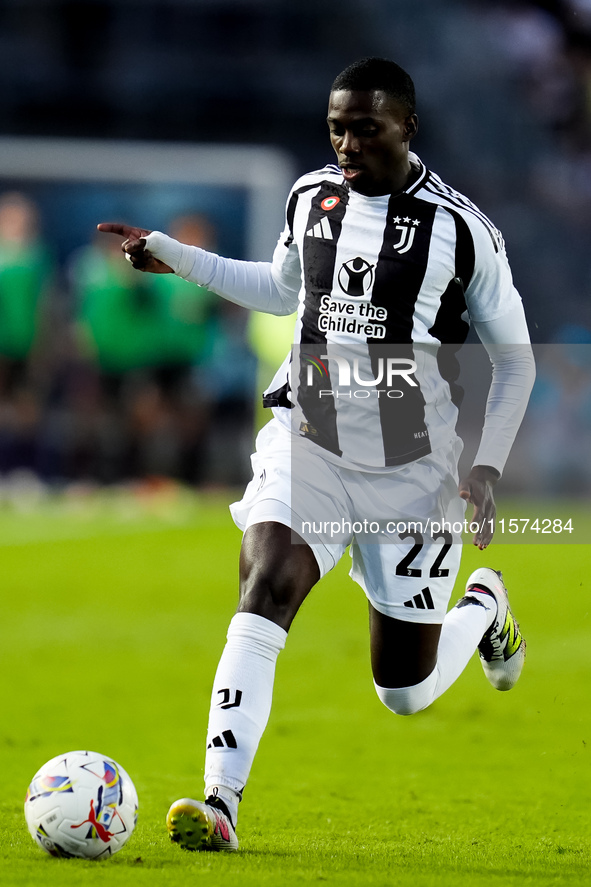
(81,804)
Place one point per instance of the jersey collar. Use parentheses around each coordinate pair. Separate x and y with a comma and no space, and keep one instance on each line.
(421,173)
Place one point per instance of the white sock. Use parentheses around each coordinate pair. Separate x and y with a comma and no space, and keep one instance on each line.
(240,704)
(461,632)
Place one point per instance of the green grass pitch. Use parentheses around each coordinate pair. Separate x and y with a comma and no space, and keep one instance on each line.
(113,617)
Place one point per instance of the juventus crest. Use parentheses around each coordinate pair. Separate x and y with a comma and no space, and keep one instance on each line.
(407,230)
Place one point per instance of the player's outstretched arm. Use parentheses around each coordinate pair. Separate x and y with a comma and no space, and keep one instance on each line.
(134,247)
(250,284)
(477,489)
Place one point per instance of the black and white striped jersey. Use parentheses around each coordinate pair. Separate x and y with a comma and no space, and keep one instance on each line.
(387,288)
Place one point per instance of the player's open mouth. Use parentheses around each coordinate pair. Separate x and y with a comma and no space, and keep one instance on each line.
(350,173)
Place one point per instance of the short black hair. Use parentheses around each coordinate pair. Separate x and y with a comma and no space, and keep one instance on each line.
(370,74)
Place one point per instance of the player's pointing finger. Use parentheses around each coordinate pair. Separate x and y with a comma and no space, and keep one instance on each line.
(114,228)
(127,231)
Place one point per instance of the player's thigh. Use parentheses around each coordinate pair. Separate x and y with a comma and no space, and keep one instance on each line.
(293,498)
(299,489)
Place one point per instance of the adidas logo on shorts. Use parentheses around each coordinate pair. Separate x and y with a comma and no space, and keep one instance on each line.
(422,601)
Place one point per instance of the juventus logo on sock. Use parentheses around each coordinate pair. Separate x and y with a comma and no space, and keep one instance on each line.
(225,703)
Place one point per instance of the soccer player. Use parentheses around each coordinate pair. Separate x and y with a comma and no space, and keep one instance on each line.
(386,265)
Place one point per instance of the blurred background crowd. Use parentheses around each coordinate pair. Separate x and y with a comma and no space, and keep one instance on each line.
(109,376)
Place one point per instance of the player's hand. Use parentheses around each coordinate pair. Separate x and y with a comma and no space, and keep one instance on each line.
(477,489)
(134,247)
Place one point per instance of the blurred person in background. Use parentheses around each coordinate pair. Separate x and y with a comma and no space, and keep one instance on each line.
(144,338)
(558,433)
(229,378)
(26,272)
(116,331)
(26,280)
(189,329)
(118,323)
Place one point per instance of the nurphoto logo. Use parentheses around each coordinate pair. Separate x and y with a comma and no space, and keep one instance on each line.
(389,370)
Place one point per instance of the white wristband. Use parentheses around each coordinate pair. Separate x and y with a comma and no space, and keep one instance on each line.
(168,250)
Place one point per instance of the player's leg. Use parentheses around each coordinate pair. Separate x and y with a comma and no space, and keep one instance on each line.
(275,577)
(403,654)
(417,651)
(414,663)
(419,648)
(276,574)
(421,669)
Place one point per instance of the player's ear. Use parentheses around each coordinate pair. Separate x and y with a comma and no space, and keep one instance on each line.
(411,127)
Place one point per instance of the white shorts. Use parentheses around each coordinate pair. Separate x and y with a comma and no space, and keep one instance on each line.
(402,556)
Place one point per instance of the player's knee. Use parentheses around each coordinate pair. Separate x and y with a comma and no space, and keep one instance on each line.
(399,703)
(275,579)
(408,700)
(272,595)
(265,586)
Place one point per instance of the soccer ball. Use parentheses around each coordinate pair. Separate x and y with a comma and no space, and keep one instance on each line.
(81,804)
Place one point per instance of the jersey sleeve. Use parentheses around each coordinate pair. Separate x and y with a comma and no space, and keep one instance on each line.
(507,341)
(286,267)
(491,292)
